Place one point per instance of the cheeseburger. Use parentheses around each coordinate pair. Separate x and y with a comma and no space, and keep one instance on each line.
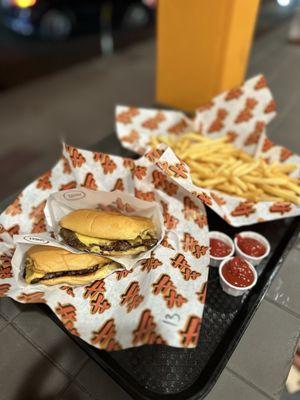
(107,233)
(54,265)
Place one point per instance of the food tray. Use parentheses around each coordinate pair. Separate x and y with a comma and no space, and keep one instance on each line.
(162,372)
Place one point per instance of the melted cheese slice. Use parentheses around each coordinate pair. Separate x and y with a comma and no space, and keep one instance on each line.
(88,240)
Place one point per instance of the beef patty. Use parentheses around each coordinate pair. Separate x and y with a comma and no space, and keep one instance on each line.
(58,274)
(119,245)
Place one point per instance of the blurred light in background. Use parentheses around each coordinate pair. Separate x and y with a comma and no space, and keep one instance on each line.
(284,3)
(24,3)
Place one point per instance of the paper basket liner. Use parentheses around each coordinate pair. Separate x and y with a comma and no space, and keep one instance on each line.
(242,113)
(161,299)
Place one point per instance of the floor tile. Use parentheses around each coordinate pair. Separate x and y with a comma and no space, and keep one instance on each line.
(9,308)
(262,357)
(51,339)
(74,392)
(285,288)
(229,387)
(99,384)
(24,372)
(3,323)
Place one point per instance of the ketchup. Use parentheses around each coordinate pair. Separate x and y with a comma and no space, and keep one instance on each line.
(251,246)
(237,272)
(218,248)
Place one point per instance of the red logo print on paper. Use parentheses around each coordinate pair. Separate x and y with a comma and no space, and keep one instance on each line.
(146,196)
(67,314)
(106,336)
(261,83)
(14,230)
(95,292)
(131,137)
(154,154)
(77,158)
(122,274)
(246,114)
(268,144)
(203,197)
(153,123)
(202,293)
(68,186)
(285,154)
(192,245)
(128,163)
(169,221)
(139,172)
(160,181)
(165,243)
(89,182)
(68,289)
(5,266)
(39,225)
(179,127)
(108,164)
(180,262)
(35,297)
(4,288)
(271,107)
(218,123)
(125,117)
(244,209)
(206,106)
(44,182)
(233,94)
(189,336)
(281,207)
(165,286)
(254,136)
(132,297)
(145,331)
(231,136)
(15,208)
(37,214)
(119,185)
(150,263)
(218,199)
(178,170)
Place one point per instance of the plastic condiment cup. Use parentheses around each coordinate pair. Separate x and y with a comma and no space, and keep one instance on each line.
(216,261)
(235,290)
(253,235)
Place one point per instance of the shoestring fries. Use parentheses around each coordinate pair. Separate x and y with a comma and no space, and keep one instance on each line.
(218,164)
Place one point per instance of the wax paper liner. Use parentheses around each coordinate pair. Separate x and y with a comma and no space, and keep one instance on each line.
(242,113)
(23,244)
(62,203)
(161,299)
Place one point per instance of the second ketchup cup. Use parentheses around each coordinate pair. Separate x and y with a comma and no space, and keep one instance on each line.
(254,260)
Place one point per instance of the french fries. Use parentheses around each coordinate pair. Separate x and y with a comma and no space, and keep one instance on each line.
(217,164)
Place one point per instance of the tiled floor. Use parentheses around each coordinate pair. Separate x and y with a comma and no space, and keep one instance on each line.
(39,362)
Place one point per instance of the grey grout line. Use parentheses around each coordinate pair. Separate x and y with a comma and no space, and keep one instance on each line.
(283,308)
(251,384)
(29,340)
(3,327)
(82,388)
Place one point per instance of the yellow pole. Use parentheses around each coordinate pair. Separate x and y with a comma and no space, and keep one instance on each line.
(202,48)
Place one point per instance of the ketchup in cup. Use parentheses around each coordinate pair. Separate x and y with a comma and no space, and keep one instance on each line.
(218,248)
(251,246)
(237,272)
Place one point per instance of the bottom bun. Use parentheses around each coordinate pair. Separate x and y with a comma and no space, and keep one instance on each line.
(82,279)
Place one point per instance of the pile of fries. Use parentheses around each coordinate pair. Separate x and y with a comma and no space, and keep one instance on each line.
(217,164)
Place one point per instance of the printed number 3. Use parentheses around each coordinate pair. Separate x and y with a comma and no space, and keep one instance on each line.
(171,319)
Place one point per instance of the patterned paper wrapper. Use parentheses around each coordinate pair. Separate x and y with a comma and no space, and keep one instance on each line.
(23,244)
(158,301)
(242,113)
(62,203)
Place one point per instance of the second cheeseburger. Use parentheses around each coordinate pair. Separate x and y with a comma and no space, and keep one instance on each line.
(108,233)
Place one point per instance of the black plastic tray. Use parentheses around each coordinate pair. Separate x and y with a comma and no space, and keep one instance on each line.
(162,372)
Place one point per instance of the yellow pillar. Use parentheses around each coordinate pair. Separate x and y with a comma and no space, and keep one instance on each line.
(202,48)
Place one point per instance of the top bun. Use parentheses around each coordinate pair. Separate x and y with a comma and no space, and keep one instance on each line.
(107,225)
(53,259)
